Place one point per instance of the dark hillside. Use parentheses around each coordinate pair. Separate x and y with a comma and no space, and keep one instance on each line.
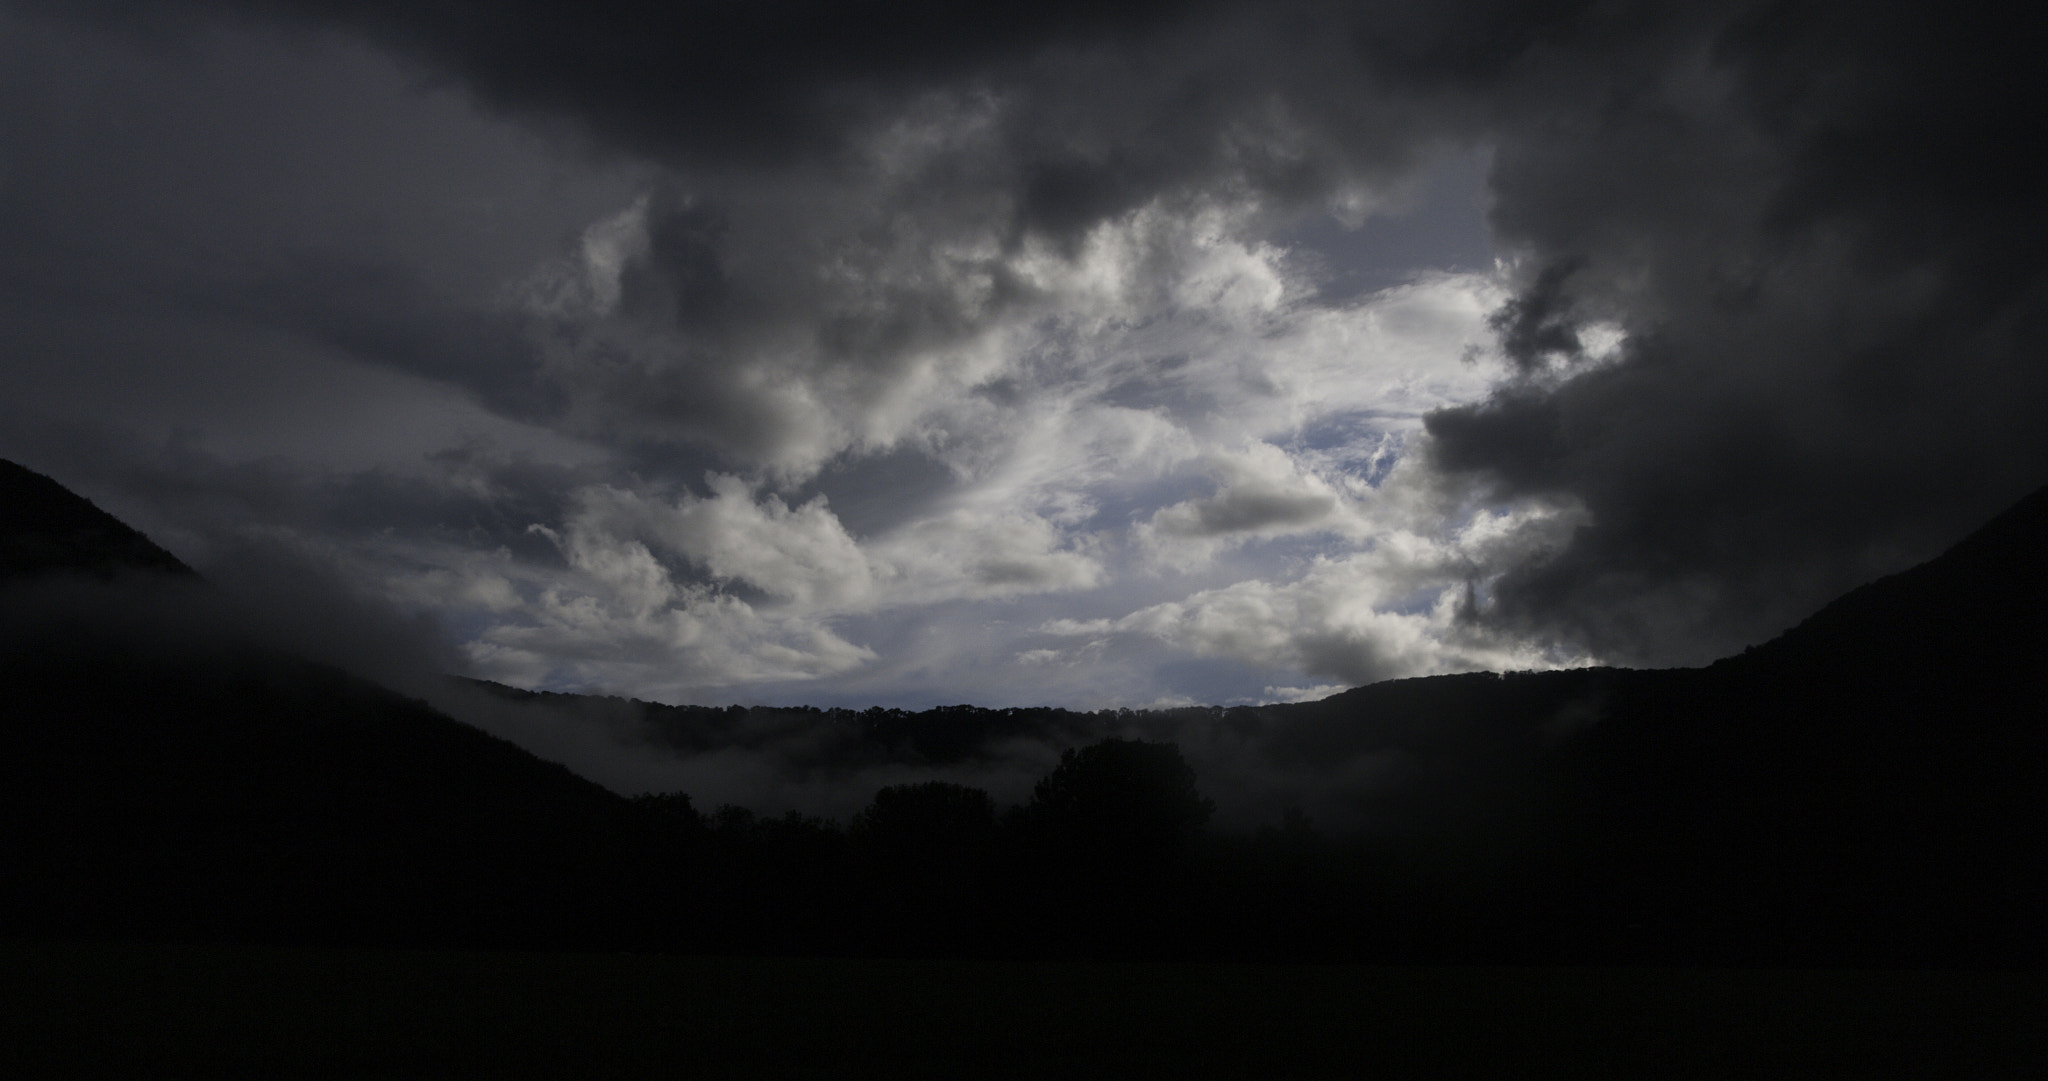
(1868,785)
(1976,615)
(171,784)
(45,529)
(1864,790)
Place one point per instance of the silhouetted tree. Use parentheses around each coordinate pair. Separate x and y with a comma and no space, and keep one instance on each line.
(1126,799)
(673,808)
(1102,843)
(928,824)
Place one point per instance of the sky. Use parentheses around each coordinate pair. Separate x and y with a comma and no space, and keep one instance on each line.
(1024,353)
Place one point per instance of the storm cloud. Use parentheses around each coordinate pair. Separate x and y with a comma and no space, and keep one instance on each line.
(1038,352)
(1810,235)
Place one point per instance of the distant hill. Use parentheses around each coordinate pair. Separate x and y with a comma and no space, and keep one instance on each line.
(1864,789)
(202,789)
(1869,785)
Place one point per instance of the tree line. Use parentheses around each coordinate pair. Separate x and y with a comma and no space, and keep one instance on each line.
(1111,857)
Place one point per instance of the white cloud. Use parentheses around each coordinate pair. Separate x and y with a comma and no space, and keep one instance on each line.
(1259,492)
(1059,282)
(801,555)
(620,619)
(1157,398)
(1389,609)
(976,554)
(1157,417)
(603,639)
(1304,694)
(787,326)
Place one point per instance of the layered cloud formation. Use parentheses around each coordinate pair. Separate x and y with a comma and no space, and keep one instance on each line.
(1161,402)
(1078,354)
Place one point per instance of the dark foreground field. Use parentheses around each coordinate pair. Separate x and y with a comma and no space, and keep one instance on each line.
(168,1011)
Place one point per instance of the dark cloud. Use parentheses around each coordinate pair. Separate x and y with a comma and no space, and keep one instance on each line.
(1105,105)
(1807,232)
(1776,304)
(1252,509)
(1813,233)
(1437,220)
(294,601)
(384,314)
(259,596)
(1536,326)
(203,506)
(870,493)
(763,82)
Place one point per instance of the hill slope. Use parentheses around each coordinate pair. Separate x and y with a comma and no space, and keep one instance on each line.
(1864,789)
(177,783)
(50,530)
(1868,784)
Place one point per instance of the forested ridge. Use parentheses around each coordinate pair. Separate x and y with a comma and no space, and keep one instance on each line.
(1863,790)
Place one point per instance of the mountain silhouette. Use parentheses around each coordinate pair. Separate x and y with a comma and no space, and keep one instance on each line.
(1868,784)
(49,530)
(1864,789)
(162,781)
(1975,611)
(1867,787)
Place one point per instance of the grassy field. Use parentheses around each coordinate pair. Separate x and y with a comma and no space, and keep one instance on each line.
(131,1011)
